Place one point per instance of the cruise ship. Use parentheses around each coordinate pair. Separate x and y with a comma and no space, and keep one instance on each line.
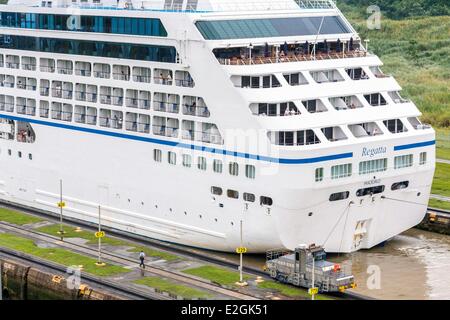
(209,123)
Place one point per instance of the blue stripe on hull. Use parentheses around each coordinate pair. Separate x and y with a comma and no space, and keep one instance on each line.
(415,145)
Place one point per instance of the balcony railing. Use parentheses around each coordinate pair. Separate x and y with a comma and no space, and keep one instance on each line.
(199,111)
(145,79)
(29,67)
(83,72)
(166,107)
(8,107)
(258,60)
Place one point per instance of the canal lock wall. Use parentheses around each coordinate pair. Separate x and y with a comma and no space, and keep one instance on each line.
(24,282)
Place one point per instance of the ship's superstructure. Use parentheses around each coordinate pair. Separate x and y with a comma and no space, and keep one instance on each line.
(187,120)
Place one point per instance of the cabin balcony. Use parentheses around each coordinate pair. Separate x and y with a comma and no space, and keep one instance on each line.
(7,81)
(169,107)
(184,79)
(357,74)
(64,67)
(188,130)
(397,98)
(131,102)
(29,63)
(326,76)
(85,115)
(56,111)
(293,138)
(67,112)
(26,106)
(111,119)
(314,106)
(26,83)
(416,124)
(102,71)
(295,79)
(44,109)
(367,129)
(47,65)
(6,103)
(209,137)
(164,77)
(12,62)
(8,107)
(83,69)
(85,92)
(378,73)
(163,126)
(164,102)
(334,134)
(395,126)
(195,106)
(256,82)
(345,103)
(209,133)
(121,72)
(137,122)
(283,109)
(375,99)
(142,74)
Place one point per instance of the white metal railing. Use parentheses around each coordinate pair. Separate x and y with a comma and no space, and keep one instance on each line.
(223,6)
(293,58)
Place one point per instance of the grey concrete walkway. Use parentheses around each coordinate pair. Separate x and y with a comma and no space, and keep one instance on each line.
(439,197)
(443,161)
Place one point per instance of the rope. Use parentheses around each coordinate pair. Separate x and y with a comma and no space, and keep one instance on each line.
(343,229)
(332,230)
(399,200)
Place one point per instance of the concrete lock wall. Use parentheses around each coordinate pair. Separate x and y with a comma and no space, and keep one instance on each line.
(22,282)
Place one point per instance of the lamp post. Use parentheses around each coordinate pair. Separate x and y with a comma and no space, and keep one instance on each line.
(250,48)
(241,250)
(61,205)
(312,286)
(99,235)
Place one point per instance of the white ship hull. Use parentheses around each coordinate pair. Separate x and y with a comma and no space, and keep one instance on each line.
(137,196)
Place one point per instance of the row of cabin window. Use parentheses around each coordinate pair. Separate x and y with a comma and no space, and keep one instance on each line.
(233,167)
(369,191)
(99,70)
(19,154)
(101,24)
(142,52)
(248,197)
(370,166)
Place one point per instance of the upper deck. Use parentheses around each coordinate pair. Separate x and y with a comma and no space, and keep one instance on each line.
(187,6)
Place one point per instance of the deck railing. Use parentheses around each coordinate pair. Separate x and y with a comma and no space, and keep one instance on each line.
(292,58)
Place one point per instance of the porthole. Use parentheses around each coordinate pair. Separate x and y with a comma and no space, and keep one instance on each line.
(217,191)
(249,197)
(339,196)
(266,201)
